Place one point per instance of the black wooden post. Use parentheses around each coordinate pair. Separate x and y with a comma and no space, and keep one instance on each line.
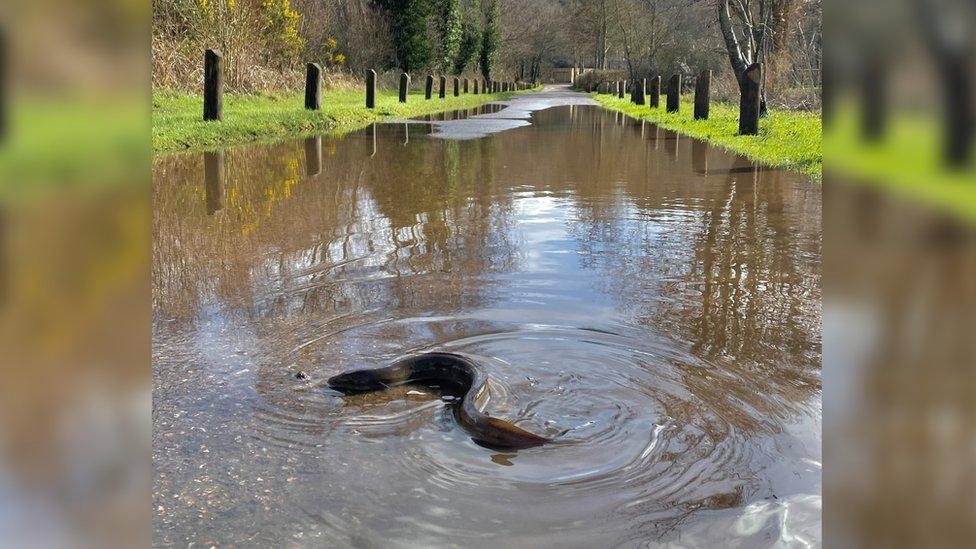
(213,180)
(442,93)
(457,86)
(874,100)
(674,93)
(476,86)
(465,85)
(656,92)
(213,86)
(429,87)
(703,91)
(641,92)
(313,87)
(404,86)
(749,106)
(4,108)
(370,89)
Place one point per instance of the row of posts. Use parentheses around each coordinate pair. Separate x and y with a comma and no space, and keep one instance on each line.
(749,104)
(213,87)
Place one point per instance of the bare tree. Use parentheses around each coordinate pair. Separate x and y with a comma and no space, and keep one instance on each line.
(754,31)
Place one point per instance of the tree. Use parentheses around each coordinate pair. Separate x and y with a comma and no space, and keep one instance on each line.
(763,32)
(489,40)
(450,27)
(409,25)
(469,47)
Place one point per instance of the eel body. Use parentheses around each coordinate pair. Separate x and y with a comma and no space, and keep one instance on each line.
(451,373)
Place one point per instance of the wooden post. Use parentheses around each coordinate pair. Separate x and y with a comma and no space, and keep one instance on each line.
(674,93)
(749,106)
(476,86)
(213,86)
(640,93)
(213,180)
(874,99)
(404,87)
(429,87)
(656,92)
(703,91)
(370,89)
(457,86)
(442,93)
(313,87)
(465,85)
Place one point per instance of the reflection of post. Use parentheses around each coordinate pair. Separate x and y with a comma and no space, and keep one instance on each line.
(374,141)
(406,134)
(213,177)
(671,143)
(699,157)
(313,156)
(657,137)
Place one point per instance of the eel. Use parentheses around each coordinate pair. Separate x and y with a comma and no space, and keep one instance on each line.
(451,373)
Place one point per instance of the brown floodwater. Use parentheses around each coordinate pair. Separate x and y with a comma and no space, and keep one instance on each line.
(657,299)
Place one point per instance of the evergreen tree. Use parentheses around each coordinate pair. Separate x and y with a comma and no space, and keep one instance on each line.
(451,31)
(409,22)
(489,40)
(469,47)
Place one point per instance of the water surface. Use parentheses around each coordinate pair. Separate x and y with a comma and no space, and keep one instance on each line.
(657,298)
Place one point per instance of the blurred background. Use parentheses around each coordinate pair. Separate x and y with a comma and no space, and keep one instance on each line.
(899,261)
(75,389)
(899,274)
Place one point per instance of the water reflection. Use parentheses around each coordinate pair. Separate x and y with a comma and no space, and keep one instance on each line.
(660,304)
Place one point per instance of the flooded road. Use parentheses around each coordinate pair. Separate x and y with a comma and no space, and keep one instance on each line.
(656,299)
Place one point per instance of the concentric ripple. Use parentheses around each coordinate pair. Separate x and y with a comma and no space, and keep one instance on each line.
(631,438)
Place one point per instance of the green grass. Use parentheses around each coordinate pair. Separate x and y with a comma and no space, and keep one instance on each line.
(788,139)
(177,118)
(907,161)
(60,143)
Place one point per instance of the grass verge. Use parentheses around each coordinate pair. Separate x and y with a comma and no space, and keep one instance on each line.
(906,161)
(177,118)
(788,139)
(64,143)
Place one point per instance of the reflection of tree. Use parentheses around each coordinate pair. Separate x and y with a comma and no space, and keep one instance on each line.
(421,209)
(738,278)
(903,286)
(727,262)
